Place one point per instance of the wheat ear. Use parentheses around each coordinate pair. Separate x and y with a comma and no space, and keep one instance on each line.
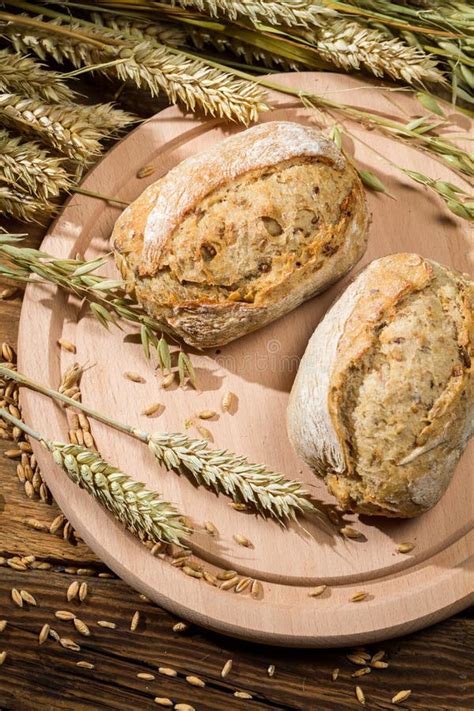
(352,46)
(140,510)
(27,166)
(184,78)
(269,493)
(62,127)
(23,206)
(22,75)
(292,13)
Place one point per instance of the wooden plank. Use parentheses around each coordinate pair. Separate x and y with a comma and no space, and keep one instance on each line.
(433,663)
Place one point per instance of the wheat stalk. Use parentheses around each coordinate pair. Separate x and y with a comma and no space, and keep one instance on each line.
(140,510)
(184,78)
(269,493)
(27,166)
(22,75)
(352,46)
(249,53)
(162,32)
(23,206)
(292,13)
(66,128)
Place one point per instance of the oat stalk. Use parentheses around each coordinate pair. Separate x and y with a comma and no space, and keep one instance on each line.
(269,493)
(140,510)
(107,298)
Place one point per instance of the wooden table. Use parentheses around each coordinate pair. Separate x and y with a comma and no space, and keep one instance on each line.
(436,664)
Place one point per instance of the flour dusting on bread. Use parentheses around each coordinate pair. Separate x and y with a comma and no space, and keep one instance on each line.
(184,186)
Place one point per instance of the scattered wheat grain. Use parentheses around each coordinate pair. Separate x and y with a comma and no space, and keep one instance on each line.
(69,644)
(167,381)
(180,627)
(83,590)
(145,171)
(135,620)
(405,547)
(207,414)
(357,659)
(401,696)
(243,695)
(16,597)
(81,627)
(349,532)
(84,665)
(238,506)
(360,696)
(226,669)
(44,633)
(72,590)
(204,432)
(3,624)
(16,565)
(378,656)
(146,676)
(152,409)
(271,670)
(28,597)
(66,345)
(191,572)
(210,578)
(35,524)
(167,671)
(195,681)
(3,656)
(242,540)
(64,615)
(361,672)
(106,623)
(229,584)
(256,589)
(163,701)
(359,596)
(316,592)
(227,401)
(134,377)
(379,665)
(335,673)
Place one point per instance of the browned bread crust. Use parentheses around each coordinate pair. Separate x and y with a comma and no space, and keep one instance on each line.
(385,415)
(235,237)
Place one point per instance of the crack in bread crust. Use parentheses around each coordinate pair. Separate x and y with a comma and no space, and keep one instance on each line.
(251,250)
(400,392)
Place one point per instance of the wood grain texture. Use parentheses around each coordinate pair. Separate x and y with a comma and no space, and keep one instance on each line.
(434,663)
(404,592)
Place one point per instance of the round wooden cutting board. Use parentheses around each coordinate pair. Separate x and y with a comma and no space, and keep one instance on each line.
(405,592)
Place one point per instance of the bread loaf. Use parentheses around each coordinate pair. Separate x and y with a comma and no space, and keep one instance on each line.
(232,238)
(383,402)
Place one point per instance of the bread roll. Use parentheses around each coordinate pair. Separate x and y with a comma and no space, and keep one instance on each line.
(383,402)
(232,238)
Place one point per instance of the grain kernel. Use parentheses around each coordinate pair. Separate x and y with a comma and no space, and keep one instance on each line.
(401,696)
